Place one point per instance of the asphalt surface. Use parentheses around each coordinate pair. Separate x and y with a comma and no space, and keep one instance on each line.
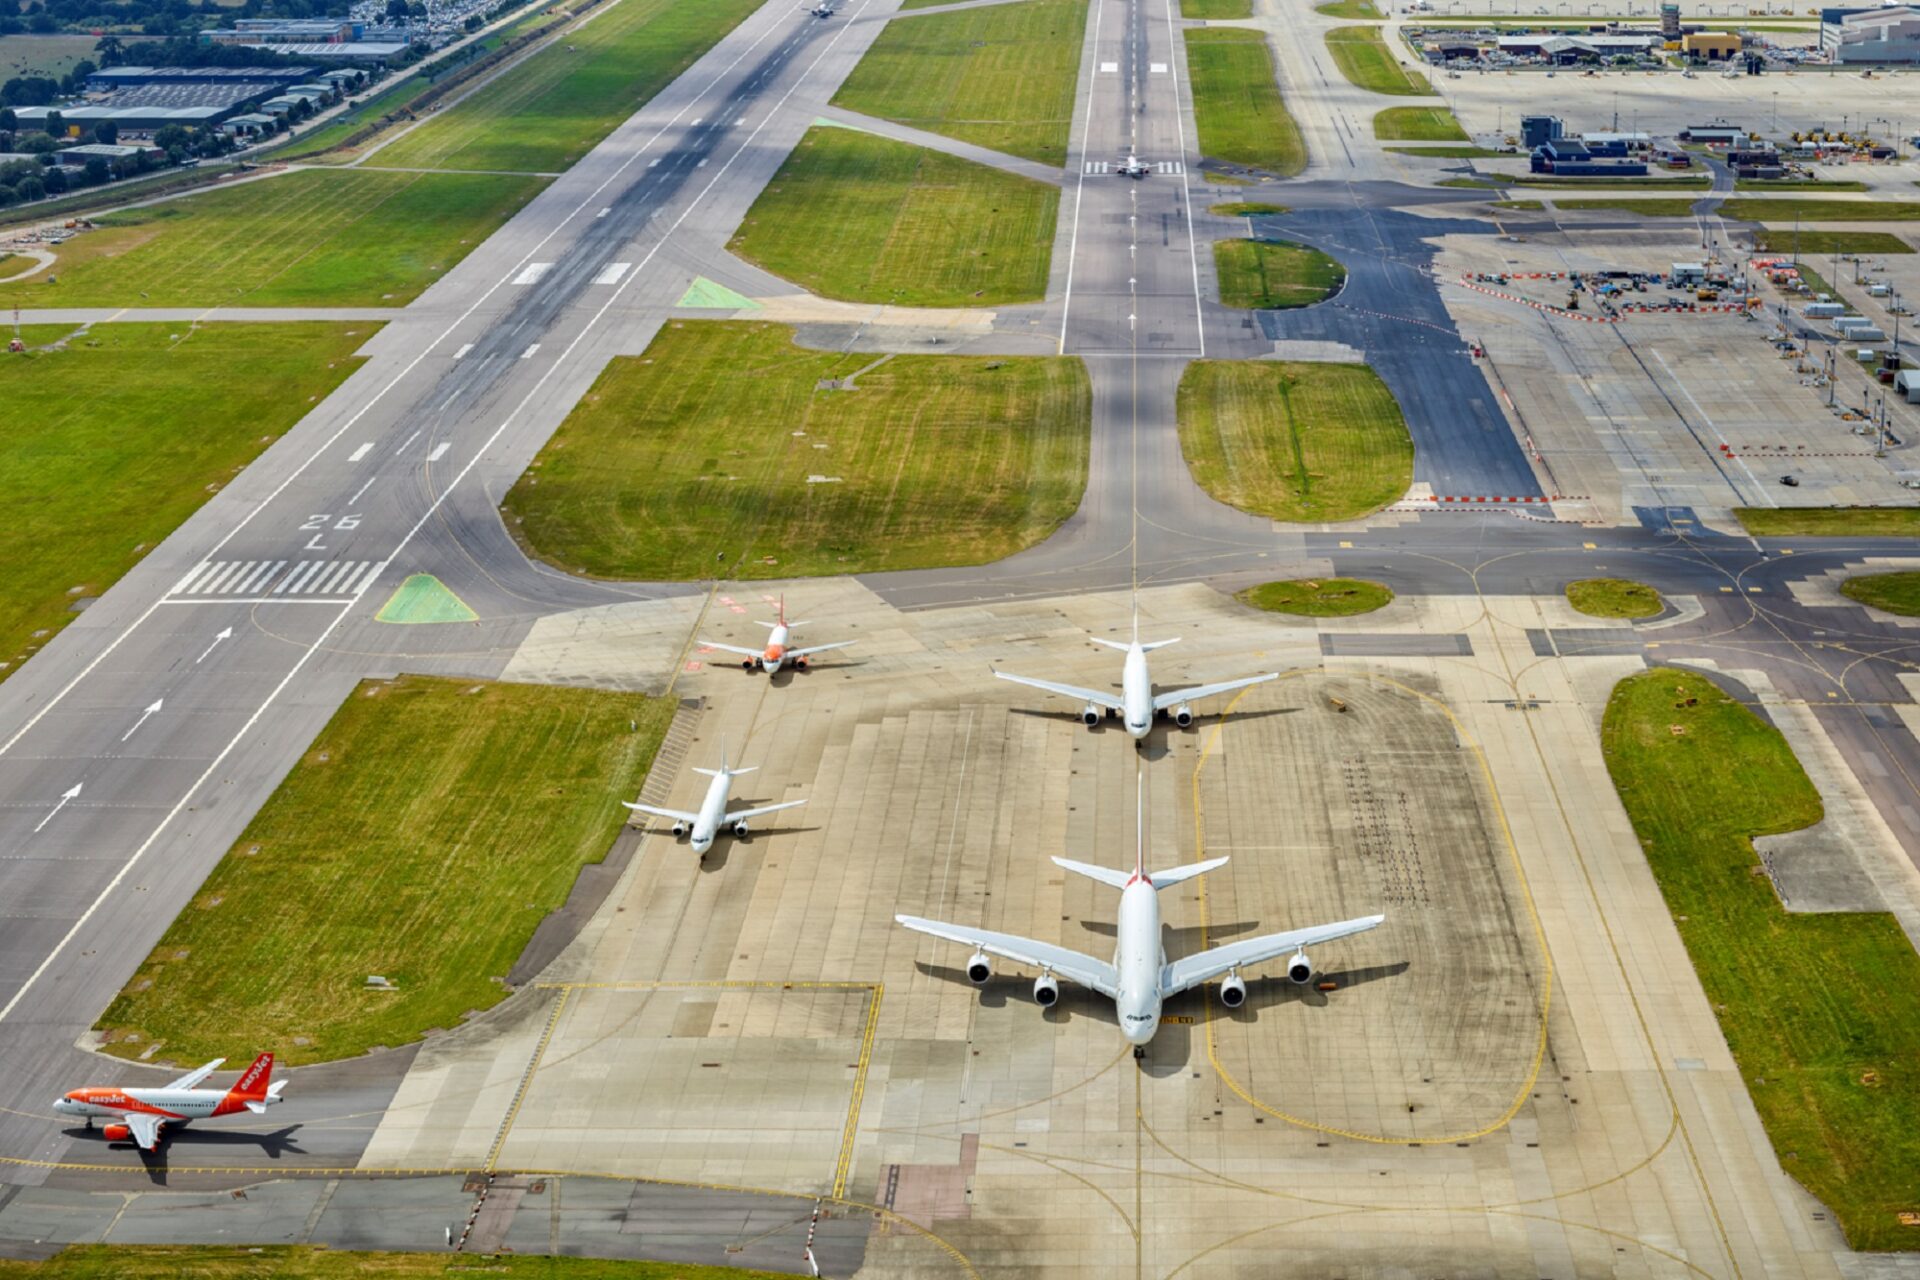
(254,620)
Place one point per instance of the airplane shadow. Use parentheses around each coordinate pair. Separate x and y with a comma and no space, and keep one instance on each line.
(1181,941)
(281,1142)
(715,859)
(1000,991)
(1272,992)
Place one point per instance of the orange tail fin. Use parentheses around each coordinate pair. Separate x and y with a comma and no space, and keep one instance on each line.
(254,1080)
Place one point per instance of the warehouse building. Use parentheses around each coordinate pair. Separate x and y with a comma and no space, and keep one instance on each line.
(1711,46)
(1873,37)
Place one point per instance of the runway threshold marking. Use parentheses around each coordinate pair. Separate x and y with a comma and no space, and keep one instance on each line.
(533,273)
(439,451)
(611,273)
(464,348)
(361,452)
(1472,746)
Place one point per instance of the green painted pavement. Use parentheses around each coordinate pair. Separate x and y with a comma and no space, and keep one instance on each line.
(424,598)
(710,295)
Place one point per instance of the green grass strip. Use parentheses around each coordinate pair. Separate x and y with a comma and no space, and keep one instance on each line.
(1830,522)
(1763,209)
(862,218)
(423,837)
(1294,441)
(1236,102)
(1274,274)
(306,1262)
(1349,9)
(1318,597)
(1895,592)
(1365,60)
(1808,1002)
(1418,124)
(116,438)
(1002,76)
(1216,10)
(1614,598)
(1787,240)
(727,439)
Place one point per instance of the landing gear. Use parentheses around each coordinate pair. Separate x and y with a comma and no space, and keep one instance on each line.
(1139,1052)
(89,1124)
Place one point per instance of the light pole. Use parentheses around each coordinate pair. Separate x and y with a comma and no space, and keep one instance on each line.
(1773,124)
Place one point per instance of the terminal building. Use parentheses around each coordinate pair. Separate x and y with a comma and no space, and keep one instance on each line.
(1888,35)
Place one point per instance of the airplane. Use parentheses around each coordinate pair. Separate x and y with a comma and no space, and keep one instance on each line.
(713,815)
(1137,703)
(1133,167)
(1140,978)
(822,10)
(776,655)
(144,1114)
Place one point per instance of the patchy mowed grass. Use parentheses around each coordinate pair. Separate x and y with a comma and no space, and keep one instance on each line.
(1292,440)
(1236,102)
(867,219)
(1418,124)
(116,439)
(1365,60)
(1778,209)
(1000,76)
(1274,274)
(1787,240)
(1614,598)
(1246,209)
(1830,522)
(1318,597)
(722,440)
(425,834)
(1894,592)
(1348,9)
(306,1262)
(1216,10)
(312,238)
(1649,208)
(551,109)
(1832,1062)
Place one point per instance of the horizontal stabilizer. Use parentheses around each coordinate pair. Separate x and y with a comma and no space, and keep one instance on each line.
(727,773)
(1174,875)
(1105,875)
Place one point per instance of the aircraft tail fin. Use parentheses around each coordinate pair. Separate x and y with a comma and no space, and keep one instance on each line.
(256,1082)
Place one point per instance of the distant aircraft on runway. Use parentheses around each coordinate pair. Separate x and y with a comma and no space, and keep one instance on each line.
(822,10)
(1133,167)
(707,823)
(1137,703)
(143,1114)
(1140,978)
(776,654)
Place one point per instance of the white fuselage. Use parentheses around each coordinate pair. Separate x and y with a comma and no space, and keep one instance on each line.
(178,1105)
(775,655)
(1138,959)
(1136,692)
(713,813)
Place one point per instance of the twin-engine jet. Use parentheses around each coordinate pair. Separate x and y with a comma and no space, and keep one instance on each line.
(707,823)
(144,1114)
(777,654)
(1137,703)
(1140,978)
(1133,167)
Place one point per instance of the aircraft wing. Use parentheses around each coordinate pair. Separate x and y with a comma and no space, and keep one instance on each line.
(678,815)
(817,648)
(192,1079)
(730,648)
(1109,700)
(741,815)
(1095,975)
(1174,697)
(145,1128)
(1196,969)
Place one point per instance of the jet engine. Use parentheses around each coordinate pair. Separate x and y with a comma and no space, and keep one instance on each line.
(799,664)
(740,829)
(1183,715)
(979,968)
(1092,714)
(118,1133)
(749,665)
(1233,992)
(1046,992)
(679,829)
(1300,969)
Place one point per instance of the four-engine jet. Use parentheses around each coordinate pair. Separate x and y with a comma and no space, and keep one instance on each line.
(1137,703)
(706,824)
(1140,978)
(776,654)
(143,1114)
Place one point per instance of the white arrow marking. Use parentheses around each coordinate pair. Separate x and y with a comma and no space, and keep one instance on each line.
(65,796)
(225,634)
(152,710)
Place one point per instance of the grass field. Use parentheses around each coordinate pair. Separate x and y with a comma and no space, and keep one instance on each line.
(53,55)
(1001,76)
(299,1262)
(1294,441)
(1804,184)
(721,440)
(1894,592)
(1216,10)
(1520,205)
(1649,208)
(1692,182)
(1786,240)
(1365,60)
(1830,522)
(551,109)
(1246,209)
(1614,598)
(1318,597)
(1777,209)
(425,834)
(1274,274)
(1417,124)
(1348,9)
(867,219)
(317,237)
(308,146)
(96,478)
(1236,102)
(1832,1062)
(1467,152)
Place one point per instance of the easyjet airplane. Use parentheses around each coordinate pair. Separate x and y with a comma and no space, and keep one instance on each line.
(776,654)
(142,1114)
